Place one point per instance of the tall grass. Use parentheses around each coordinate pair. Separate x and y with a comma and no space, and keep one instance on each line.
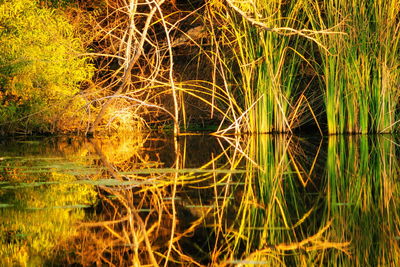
(264,64)
(360,69)
(351,46)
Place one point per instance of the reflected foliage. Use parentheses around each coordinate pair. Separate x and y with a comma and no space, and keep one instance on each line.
(261,200)
(40,203)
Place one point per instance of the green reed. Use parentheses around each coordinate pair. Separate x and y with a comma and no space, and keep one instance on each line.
(360,67)
(352,44)
(265,63)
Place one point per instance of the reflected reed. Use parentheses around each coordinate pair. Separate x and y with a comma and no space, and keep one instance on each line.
(275,200)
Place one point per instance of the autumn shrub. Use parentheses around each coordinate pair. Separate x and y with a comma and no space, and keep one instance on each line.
(41,69)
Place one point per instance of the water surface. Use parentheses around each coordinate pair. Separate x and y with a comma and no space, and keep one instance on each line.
(200,201)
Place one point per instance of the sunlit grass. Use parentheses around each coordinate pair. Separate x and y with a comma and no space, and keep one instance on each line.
(361,67)
(262,64)
(261,49)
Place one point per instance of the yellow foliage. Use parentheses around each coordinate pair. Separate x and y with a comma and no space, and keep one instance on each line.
(40,64)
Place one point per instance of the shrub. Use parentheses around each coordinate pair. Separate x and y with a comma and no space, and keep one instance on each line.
(40,67)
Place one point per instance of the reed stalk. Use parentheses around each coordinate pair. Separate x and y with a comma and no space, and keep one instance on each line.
(361,67)
(263,63)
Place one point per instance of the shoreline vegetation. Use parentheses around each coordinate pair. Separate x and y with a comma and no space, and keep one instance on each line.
(256,66)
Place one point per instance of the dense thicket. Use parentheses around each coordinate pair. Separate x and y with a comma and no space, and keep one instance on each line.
(41,69)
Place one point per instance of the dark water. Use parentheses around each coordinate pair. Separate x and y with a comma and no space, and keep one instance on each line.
(200,200)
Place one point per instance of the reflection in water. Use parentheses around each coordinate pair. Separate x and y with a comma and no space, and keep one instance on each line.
(200,200)
(39,202)
(362,186)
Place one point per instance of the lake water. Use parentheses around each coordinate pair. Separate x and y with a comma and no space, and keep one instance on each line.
(200,201)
